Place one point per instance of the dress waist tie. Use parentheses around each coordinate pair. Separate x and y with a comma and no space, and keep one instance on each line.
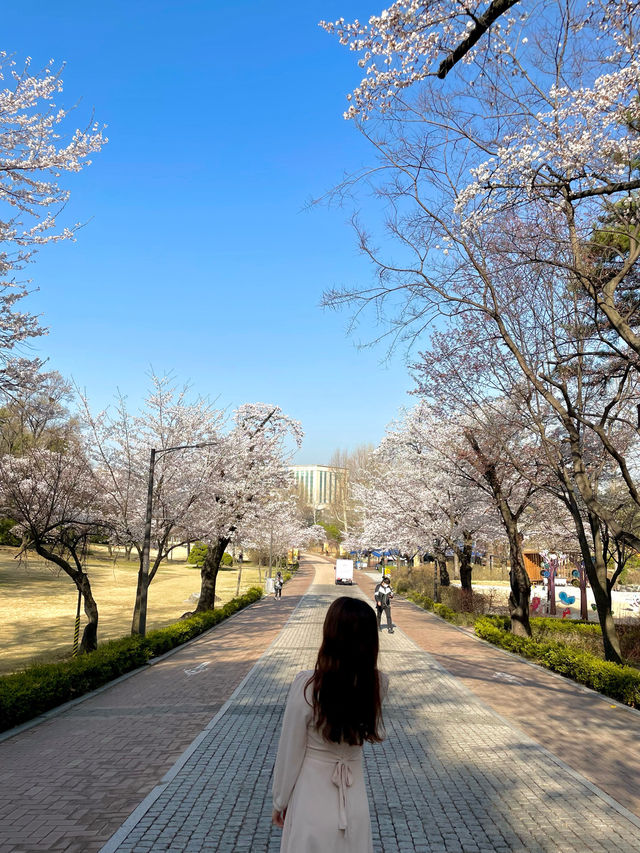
(342,778)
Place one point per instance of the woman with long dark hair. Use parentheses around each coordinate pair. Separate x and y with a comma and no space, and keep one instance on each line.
(319,795)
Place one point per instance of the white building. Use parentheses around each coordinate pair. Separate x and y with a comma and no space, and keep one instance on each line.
(319,484)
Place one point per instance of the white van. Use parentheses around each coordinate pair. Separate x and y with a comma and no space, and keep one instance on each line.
(344,571)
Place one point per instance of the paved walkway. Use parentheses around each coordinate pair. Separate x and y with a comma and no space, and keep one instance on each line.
(69,782)
(452,775)
(596,736)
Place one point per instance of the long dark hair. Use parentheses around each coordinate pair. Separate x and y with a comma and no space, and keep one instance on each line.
(346,682)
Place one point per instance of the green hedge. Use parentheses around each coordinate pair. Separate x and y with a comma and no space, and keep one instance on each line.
(551,625)
(24,695)
(611,679)
(618,682)
(441,610)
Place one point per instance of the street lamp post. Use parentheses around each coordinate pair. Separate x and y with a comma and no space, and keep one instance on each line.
(271,549)
(140,615)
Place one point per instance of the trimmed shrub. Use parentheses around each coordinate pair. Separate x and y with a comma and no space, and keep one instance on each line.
(543,625)
(445,612)
(24,695)
(197,553)
(441,610)
(618,682)
(6,536)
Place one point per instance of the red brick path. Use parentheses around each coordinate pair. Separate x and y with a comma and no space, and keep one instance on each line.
(68,783)
(599,739)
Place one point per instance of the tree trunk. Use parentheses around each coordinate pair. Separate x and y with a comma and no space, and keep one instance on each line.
(595,567)
(520,584)
(137,606)
(83,585)
(584,612)
(466,567)
(441,563)
(602,595)
(445,580)
(464,562)
(209,574)
(457,558)
(90,634)
(551,588)
(518,577)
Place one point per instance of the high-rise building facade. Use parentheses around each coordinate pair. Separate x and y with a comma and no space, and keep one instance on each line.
(319,485)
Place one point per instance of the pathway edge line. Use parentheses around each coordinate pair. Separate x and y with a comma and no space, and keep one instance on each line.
(623,810)
(66,706)
(473,636)
(143,807)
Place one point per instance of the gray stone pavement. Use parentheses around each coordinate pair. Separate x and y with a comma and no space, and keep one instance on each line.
(452,776)
(70,778)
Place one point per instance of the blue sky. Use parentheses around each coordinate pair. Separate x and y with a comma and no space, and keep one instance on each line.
(199,255)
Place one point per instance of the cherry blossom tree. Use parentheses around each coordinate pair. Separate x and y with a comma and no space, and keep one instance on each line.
(279,526)
(488,465)
(120,443)
(593,533)
(55,499)
(249,470)
(32,157)
(35,413)
(417,498)
(513,429)
(510,193)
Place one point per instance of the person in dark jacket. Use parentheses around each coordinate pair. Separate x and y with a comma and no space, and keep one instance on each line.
(383,596)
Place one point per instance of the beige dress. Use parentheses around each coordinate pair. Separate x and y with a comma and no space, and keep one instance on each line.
(321,784)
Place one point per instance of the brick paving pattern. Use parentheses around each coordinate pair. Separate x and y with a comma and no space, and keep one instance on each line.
(597,737)
(451,776)
(68,783)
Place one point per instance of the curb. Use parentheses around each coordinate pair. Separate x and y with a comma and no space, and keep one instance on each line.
(632,817)
(538,667)
(143,807)
(60,709)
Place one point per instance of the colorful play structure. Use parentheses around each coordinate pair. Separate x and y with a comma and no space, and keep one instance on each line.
(554,567)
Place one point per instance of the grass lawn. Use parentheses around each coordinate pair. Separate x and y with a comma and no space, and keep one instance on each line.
(38,602)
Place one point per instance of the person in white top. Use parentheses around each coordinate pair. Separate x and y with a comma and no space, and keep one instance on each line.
(319,794)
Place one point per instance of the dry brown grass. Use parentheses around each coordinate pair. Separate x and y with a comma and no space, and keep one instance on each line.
(38,602)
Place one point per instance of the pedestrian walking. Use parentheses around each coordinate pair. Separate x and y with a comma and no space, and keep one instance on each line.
(383,595)
(319,794)
(277,585)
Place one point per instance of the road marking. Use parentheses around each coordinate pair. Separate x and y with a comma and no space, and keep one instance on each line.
(506,676)
(200,668)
